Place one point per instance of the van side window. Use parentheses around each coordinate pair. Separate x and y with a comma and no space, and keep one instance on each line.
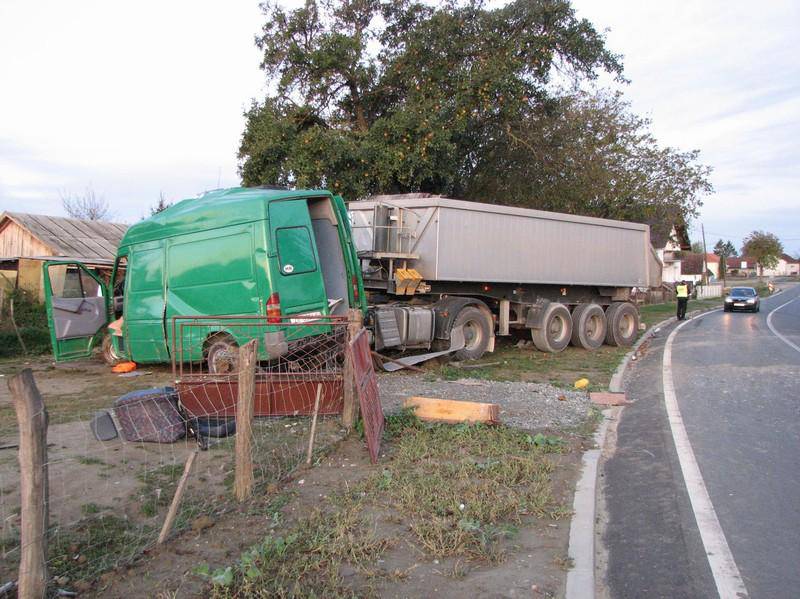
(295,250)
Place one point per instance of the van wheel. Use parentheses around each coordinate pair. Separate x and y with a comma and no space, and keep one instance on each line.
(108,352)
(477,332)
(556,330)
(623,324)
(222,354)
(588,326)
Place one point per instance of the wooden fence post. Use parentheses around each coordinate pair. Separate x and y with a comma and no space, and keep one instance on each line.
(355,320)
(243,481)
(32,420)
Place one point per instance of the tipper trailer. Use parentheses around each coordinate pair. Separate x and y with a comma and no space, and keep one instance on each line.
(426,272)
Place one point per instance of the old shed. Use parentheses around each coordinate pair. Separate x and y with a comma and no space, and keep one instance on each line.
(26,240)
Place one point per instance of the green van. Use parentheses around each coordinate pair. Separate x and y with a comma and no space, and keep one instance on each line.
(263,252)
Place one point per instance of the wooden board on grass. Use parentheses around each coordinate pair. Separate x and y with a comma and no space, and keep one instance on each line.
(452,411)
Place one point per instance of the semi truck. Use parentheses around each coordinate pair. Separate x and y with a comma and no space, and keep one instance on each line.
(428,273)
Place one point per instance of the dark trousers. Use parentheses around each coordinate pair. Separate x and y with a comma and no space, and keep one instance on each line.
(682,301)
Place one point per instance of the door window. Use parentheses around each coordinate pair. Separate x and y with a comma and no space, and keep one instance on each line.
(295,251)
(68,281)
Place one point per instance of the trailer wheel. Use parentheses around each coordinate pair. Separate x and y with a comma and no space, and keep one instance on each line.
(556,329)
(108,353)
(588,326)
(477,332)
(623,324)
(222,354)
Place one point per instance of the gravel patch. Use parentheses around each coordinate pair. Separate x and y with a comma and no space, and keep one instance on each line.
(531,406)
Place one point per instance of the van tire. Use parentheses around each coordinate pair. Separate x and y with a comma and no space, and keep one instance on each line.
(555,331)
(588,326)
(477,333)
(108,352)
(622,320)
(222,354)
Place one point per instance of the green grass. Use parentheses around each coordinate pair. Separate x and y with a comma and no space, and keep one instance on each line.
(96,544)
(655,313)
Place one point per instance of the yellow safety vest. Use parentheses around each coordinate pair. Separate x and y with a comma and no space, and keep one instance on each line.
(682,290)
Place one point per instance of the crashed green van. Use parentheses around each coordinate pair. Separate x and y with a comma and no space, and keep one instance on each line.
(263,252)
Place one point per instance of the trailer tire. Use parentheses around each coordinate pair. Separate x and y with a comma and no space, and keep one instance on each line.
(222,354)
(477,333)
(622,324)
(555,331)
(108,352)
(588,326)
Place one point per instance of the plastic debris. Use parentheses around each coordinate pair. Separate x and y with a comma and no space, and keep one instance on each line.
(124,367)
(581,383)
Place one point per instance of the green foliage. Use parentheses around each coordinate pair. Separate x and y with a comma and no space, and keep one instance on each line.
(765,248)
(724,249)
(399,96)
(31,318)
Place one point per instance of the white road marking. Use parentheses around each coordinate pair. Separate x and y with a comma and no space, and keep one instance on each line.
(775,332)
(723,567)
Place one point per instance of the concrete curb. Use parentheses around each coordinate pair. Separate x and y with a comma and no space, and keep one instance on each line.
(580,578)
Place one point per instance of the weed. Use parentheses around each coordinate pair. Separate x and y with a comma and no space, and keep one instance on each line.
(90,461)
(304,563)
(87,509)
(564,562)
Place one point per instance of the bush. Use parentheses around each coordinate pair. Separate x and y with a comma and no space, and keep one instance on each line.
(31,318)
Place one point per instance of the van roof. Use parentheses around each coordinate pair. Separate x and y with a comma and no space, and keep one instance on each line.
(211,210)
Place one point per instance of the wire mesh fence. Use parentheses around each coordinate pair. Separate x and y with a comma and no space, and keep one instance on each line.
(113,474)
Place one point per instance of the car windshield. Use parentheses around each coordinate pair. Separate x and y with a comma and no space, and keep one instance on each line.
(743,291)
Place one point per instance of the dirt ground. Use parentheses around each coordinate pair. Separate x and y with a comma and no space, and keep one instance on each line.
(108,500)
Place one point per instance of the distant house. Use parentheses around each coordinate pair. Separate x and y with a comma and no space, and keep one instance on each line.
(786,267)
(669,249)
(741,266)
(692,267)
(27,240)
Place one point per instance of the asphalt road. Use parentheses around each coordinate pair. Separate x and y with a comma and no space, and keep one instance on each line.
(738,390)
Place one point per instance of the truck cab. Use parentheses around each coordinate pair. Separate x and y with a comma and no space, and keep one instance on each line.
(246,252)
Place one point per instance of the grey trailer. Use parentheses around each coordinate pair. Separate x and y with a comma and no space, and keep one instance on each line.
(566,278)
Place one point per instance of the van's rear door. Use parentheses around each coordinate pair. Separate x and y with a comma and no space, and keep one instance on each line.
(296,271)
(77,309)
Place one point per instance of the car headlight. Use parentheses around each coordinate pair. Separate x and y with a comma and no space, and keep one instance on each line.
(728,299)
(751,301)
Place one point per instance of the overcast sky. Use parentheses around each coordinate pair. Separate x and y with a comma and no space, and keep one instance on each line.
(137,98)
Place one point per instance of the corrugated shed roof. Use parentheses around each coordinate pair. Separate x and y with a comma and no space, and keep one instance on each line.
(72,236)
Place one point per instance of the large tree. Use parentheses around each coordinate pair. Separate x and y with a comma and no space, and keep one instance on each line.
(765,248)
(396,96)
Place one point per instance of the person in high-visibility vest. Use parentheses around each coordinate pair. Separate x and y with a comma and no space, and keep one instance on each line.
(682,293)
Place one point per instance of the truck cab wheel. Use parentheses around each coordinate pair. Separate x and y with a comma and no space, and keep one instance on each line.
(108,352)
(477,333)
(555,331)
(588,326)
(623,324)
(222,355)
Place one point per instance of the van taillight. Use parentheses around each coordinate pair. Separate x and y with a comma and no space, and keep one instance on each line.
(355,288)
(274,309)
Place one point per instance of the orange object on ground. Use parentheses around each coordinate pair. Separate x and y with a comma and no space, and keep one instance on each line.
(124,367)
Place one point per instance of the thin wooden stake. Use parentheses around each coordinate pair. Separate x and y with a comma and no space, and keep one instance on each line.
(314,425)
(243,482)
(14,324)
(32,421)
(176,499)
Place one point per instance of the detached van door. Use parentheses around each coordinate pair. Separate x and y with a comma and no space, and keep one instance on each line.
(77,309)
(296,271)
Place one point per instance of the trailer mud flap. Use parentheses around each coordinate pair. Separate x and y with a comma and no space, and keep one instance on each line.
(457,342)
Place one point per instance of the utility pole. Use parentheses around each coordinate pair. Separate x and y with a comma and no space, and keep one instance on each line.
(705,255)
